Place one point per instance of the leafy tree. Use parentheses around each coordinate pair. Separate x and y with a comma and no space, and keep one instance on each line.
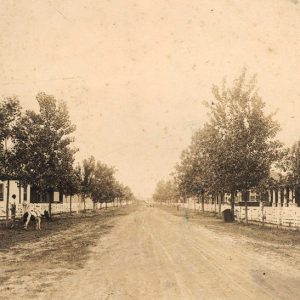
(292,167)
(10,112)
(43,144)
(193,174)
(118,189)
(244,137)
(71,185)
(102,187)
(127,194)
(87,174)
(165,192)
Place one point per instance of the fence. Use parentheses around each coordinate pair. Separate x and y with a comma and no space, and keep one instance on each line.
(56,208)
(278,216)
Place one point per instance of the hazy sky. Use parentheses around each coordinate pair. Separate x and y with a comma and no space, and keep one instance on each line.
(135,73)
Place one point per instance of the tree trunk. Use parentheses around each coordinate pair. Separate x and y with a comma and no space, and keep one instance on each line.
(83,197)
(50,206)
(245,196)
(7,202)
(20,192)
(70,205)
(219,204)
(232,204)
(202,201)
(215,202)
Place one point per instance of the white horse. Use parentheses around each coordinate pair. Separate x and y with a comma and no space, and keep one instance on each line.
(32,214)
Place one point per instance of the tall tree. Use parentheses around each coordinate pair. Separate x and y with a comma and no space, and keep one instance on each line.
(43,142)
(292,167)
(166,192)
(127,194)
(102,188)
(243,135)
(87,175)
(71,185)
(10,112)
(193,175)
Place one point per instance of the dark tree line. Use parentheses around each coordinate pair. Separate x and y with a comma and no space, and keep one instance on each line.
(236,148)
(37,149)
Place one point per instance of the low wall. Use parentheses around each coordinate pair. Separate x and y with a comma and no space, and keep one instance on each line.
(279,216)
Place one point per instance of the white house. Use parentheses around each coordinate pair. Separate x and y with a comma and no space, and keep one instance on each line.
(17,193)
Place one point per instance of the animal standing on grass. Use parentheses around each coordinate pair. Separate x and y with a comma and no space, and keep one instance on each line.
(32,214)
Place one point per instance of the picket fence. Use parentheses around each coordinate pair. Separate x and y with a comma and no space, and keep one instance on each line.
(56,208)
(288,217)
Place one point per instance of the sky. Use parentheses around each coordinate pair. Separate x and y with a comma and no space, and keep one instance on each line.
(134,74)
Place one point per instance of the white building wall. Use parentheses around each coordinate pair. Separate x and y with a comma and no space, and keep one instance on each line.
(14,189)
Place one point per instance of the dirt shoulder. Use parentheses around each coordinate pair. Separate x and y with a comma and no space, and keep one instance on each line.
(283,243)
(33,261)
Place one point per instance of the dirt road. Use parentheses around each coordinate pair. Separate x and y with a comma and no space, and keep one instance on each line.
(152,254)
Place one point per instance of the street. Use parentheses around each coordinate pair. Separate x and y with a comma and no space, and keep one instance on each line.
(152,254)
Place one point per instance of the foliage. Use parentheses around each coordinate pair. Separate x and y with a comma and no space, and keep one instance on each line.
(10,112)
(235,149)
(244,137)
(99,183)
(193,175)
(166,192)
(103,183)
(42,144)
(293,165)
(87,174)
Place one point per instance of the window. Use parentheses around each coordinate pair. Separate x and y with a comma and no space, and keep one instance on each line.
(1,191)
(25,193)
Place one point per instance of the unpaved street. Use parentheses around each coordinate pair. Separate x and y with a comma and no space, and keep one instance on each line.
(152,254)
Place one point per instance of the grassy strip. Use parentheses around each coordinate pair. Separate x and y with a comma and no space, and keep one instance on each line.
(254,231)
(33,261)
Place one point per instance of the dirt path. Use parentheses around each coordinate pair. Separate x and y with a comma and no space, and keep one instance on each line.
(151,254)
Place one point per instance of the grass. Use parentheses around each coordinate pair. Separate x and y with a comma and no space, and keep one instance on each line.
(260,233)
(60,248)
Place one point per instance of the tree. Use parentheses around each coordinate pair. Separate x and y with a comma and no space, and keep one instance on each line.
(103,183)
(118,190)
(292,167)
(10,112)
(244,137)
(71,185)
(43,144)
(127,194)
(165,192)
(87,175)
(193,175)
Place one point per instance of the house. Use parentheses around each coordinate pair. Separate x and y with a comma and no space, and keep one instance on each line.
(17,193)
(53,196)
(21,195)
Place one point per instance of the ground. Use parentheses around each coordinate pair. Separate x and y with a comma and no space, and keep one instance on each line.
(141,252)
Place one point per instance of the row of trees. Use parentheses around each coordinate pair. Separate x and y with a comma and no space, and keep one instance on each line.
(97,182)
(235,149)
(37,149)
